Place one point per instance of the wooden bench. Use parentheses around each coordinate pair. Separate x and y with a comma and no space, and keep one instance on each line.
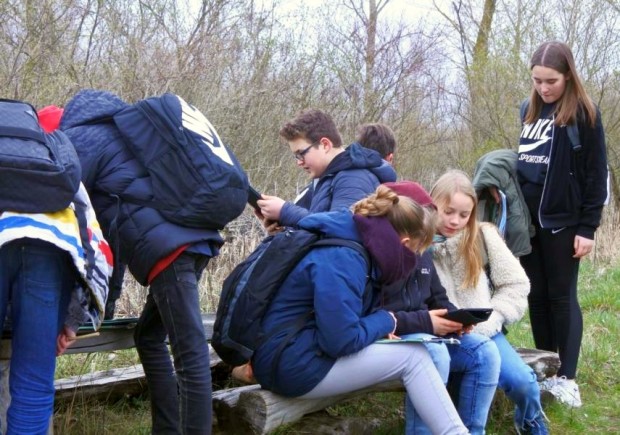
(247,409)
(250,409)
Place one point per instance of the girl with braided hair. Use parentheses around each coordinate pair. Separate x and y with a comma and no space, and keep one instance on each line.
(335,352)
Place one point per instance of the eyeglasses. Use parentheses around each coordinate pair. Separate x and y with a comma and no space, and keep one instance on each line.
(301,155)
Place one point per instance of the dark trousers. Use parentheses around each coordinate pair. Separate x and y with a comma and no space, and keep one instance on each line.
(180,395)
(555,315)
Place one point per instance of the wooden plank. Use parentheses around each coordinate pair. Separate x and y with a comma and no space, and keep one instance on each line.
(545,364)
(108,339)
(109,384)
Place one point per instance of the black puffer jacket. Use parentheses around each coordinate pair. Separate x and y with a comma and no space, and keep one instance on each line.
(140,235)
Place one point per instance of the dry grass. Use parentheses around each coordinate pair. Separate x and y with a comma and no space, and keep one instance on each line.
(244,234)
(241,236)
(607,249)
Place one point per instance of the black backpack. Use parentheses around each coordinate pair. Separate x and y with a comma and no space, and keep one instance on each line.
(251,286)
(196,179)
(39,172)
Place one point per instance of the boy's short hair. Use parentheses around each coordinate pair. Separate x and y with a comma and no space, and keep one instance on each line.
(378,137)
(312,125)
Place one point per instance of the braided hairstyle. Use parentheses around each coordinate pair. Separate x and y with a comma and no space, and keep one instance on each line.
(408,218)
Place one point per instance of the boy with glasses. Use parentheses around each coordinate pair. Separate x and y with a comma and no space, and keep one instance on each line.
(341,176)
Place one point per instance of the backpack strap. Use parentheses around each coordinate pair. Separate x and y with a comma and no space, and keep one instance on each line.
(523,109)
(573,135)
(23,133)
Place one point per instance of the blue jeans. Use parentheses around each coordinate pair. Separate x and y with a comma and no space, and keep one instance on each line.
(518,381)
(474,367)
(180,395)
(36,280)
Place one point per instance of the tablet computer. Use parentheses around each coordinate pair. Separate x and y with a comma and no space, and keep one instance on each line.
(469,316)
(253,197)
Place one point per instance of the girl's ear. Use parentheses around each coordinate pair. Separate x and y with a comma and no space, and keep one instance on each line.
(405,240)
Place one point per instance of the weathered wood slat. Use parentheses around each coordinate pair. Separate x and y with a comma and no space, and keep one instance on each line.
(545,364)
(108,339)
(109,384)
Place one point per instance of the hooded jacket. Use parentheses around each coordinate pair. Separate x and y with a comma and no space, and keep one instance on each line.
(325,290)
(350,176)
(511,285)
(499,169)
(412,298)
(140,235)
(575,188)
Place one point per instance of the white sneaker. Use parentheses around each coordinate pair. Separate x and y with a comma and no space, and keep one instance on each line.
(567,392)
(548,383)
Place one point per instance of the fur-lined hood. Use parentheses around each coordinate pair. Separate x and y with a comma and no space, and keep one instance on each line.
(511,285)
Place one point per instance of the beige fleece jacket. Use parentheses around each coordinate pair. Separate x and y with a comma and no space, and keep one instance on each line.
(511,284)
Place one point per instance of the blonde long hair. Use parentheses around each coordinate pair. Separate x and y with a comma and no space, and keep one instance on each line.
(558,56)
(408,218)
(469,248)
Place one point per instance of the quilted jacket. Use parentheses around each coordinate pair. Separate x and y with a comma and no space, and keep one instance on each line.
(139,235)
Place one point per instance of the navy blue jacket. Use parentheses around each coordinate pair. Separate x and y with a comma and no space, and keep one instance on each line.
(329,281)
(411,299)
(140,235)
(350,176)
(575,188)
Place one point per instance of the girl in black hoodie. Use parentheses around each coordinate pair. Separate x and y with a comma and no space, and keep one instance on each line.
(564,182)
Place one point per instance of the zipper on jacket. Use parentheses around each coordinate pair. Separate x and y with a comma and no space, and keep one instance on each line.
(542,195)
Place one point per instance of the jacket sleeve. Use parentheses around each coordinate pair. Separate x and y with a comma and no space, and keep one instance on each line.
(438,298)
(595,189)
(342,327)
(420,321)
(413,316)
(510,283)
(412,322)
(291,214)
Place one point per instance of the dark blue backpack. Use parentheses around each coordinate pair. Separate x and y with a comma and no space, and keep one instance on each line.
(252,285)
(39,172)
(197,181)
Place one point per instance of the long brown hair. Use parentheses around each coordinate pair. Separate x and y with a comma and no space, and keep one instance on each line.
(558,56)
(470,250)
(408,218)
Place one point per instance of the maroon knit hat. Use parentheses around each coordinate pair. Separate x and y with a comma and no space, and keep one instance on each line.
(412,190)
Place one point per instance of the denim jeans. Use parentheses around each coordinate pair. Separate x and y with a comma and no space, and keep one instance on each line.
(518,381)
(36,280)
(180,395)
(473,368)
